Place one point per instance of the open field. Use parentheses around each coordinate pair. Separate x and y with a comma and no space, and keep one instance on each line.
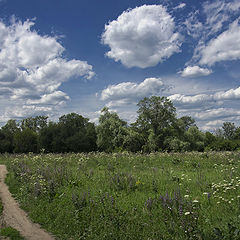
(130,196)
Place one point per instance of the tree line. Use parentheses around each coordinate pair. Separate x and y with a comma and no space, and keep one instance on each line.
(157,128)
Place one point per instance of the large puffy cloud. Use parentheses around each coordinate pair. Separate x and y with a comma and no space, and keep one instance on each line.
(195,71)
(32,69)
(130,92)
(142,37)
(225,47)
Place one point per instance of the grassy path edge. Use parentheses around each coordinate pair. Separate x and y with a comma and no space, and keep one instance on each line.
(16,217)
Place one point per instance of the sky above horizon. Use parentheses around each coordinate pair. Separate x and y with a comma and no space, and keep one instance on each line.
(58,57)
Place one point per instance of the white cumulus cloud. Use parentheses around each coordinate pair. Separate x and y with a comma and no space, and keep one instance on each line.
(32,69)
(214,114)
(191,101)
(195,71)
(214,26)
(142,37)
(225,47)
(126,92)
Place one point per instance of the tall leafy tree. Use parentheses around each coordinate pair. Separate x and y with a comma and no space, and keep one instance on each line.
(34,123)
(73,133)
(195,138)
(111,131)
(156,118)
(25,141)
(50,139)
(228,130)
(8,131)
(78,133)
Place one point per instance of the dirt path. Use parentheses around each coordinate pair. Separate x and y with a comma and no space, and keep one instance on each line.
(16,217)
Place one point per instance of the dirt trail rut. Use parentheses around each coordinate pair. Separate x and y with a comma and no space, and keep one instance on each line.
(16,217)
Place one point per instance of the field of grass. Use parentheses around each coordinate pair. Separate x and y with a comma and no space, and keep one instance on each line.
(130,196)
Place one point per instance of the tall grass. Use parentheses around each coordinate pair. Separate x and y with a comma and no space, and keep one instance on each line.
(130,196)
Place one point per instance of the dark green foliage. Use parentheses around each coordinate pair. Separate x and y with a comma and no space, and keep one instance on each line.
(228,130)
(35,124)
(7,133)
(111,131)
(77,133)
(133,141)
(209,138)
(225,145)
(186,122)
(25,141)
(50,138)
(6,142)
(155,120)
(10,232)
(195,138)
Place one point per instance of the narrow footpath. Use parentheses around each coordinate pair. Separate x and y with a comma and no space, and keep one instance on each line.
(16,217)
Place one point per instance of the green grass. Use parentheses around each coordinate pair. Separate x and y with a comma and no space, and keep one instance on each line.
(11,233)
(130,196)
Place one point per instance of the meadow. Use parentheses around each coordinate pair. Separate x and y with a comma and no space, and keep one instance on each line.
(130,196)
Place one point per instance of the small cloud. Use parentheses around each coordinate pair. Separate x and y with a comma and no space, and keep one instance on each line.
(193,101)
(195,71)
(215,114)
(130,92)
(180,6)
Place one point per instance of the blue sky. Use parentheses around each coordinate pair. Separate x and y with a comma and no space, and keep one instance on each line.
(59,56)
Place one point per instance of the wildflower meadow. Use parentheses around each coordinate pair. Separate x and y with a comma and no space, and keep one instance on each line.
(130,196)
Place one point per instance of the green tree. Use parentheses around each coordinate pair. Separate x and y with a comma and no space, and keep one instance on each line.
(195,138)
(228,130)
(73,133)
(5,143)
(50,138)
(237,133)
(77,132)
(209,138)
(156,119)
(111,131)
(7,134)
(133,141)
(34,123)
(25,141)
(186,122)
(174,144)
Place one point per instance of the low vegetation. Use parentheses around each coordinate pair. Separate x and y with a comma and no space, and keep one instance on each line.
(11,233)
(130,196)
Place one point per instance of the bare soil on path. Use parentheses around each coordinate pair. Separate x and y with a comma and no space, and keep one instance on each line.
(16,217)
